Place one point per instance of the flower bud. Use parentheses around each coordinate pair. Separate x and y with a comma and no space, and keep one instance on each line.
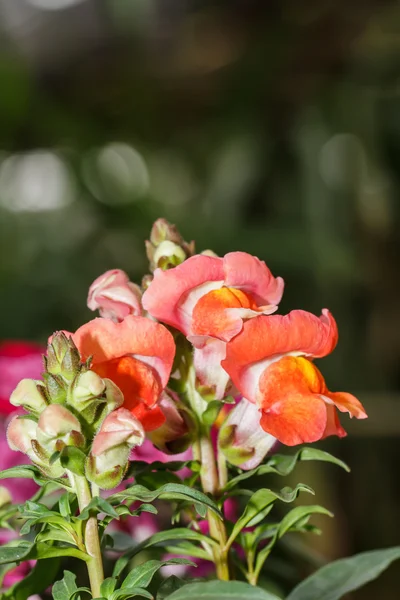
(62,357)
(168,254)
(173,436)
(5,496)
(22,437)
(241,439)
(107,463)
(58,427)
(115,296)
(31,395)
(167,248)
(88,387)
(119,427)
(20,433)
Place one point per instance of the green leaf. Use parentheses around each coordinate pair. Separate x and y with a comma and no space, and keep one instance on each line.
(283,464)
(138,467)
(76,594)
(66,586)
(42,550)
(222,590)
(15,551)
(261,503)
(108,586)
(97,505)
(184,547)
(131,593)
(142,575)
(170,585)
(297,517)
(160,538)
(170,491)
(340,577)
(38,579)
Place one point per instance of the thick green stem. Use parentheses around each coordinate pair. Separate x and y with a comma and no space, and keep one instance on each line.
(211,485)
(91,535)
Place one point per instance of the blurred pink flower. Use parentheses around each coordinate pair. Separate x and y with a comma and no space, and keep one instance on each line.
(18,360)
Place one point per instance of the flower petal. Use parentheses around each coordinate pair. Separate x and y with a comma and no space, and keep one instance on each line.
(207,363)
(137,381)
(249,273)
(346,402)
(105,340)
(296,420)
(267,337)
(168,290)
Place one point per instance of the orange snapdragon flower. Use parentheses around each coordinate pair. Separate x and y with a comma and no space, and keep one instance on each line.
(137,355)
(270,362)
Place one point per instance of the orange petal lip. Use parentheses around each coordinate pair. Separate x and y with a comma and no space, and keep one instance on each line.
(296,405)
(266,338)
(105,340)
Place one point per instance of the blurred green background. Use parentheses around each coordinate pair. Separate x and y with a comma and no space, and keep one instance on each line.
(266,126)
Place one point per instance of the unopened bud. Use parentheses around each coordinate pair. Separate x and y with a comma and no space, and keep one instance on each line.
(119,433)
(62,357)
(20,433)
(22,437)
(241,439)
(119,427)
(58,427)
(166,247)
(173,436)
(5,496)
(31,395)
(115,296)
(88,387)
(56,388)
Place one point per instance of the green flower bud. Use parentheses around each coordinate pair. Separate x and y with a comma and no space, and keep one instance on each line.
(62,357)
(58,427)
(108,460)
(88,387)
(31,395)
(166,247)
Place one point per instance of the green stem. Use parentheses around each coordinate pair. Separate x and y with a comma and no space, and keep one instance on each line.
(91,535)
(211,485)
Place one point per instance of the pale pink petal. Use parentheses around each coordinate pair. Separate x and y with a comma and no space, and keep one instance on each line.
(250,274)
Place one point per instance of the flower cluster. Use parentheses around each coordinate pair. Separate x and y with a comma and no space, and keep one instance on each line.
(131,373)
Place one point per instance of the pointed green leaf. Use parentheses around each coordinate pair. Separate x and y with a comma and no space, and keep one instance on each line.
(108,586)
(170,491)
(15,551)
(98,505)
(222,590)
(283,464)
(170,585)
(66,586)
(261,503)
(131,593)
(161,538)
(142,575)
(340,577)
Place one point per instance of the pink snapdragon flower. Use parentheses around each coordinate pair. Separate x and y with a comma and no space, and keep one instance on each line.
(208,298)
(114,296)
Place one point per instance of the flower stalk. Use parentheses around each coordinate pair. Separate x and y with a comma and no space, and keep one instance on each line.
(91,535)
